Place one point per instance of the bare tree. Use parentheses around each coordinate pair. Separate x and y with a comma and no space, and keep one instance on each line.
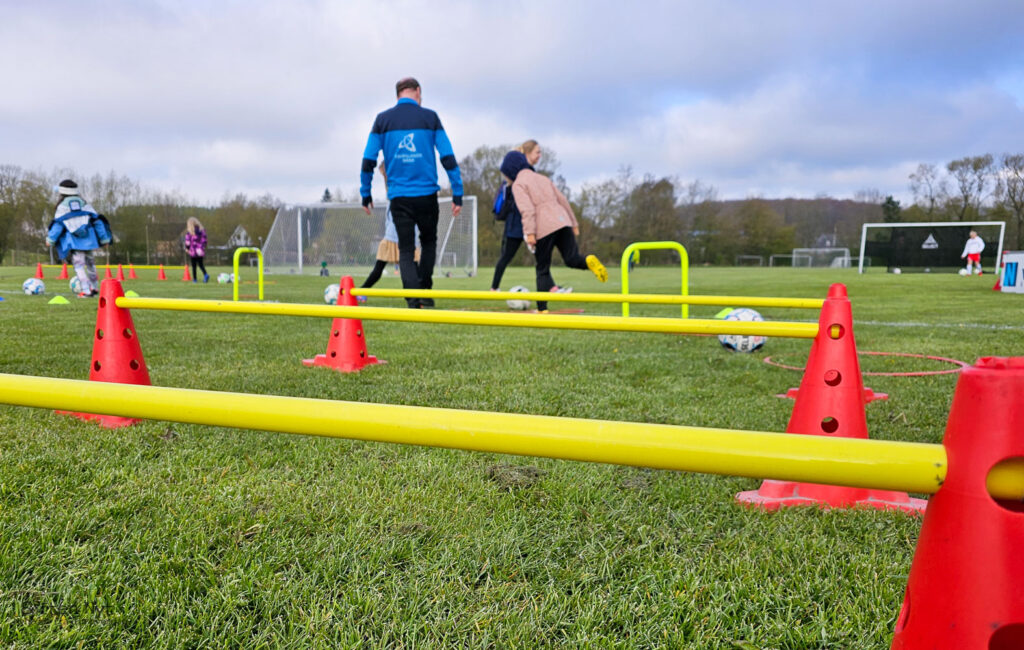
(1012,173)
(928,186)
(974,176)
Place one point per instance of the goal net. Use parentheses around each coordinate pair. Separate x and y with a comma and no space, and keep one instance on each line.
(343,235)
(927,247)
(822,258)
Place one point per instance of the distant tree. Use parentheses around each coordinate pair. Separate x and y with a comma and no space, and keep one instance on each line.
(1012,174)
(326,198)
(762,230)
(929,188)
(891,210)
(974,177)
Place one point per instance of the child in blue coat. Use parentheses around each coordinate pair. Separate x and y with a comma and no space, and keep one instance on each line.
(77,230)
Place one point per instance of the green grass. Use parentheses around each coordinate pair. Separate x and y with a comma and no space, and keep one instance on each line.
(174,535)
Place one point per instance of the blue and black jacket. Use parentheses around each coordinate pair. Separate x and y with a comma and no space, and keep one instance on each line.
(77,227)
(408,135)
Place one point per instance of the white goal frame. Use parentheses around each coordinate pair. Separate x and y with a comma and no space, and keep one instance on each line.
(929,224)
(749,258)
(844,254)
(792,259)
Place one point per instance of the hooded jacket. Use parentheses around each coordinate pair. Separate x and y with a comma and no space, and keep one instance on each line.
(544,208)
(77,227)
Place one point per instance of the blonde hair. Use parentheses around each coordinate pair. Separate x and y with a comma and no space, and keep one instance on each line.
(527,146)
(192,225)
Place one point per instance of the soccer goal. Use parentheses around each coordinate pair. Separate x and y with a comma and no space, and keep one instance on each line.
(749,260)
(302,237)
(927,246)
(779,259)
(824,258)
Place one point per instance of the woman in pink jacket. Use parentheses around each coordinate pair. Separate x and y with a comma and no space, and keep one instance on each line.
(548,222)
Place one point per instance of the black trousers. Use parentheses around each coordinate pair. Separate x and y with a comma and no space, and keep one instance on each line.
(509,248)
(197,260)
(565,241)
(408,213)
(371,279)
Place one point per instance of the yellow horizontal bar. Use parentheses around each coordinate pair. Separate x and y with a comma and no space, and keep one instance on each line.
(512,319)
(905,466)
(638,298)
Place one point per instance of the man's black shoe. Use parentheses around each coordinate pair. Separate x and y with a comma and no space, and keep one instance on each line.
(414,303)
(427,302)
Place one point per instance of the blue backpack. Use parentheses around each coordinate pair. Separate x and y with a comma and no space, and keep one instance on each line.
(499,202)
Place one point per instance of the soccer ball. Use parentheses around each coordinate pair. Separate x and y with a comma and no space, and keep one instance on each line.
(739,342)
(33,287)
(76,285)
(225,278)
(519,305)
(964,272)
(897,271)
(331,294)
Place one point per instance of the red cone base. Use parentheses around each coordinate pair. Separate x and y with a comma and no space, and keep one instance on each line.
(830,402)
(116,353)
(160,275)
(966,584)
(346,349)
(39,270)
(63,272)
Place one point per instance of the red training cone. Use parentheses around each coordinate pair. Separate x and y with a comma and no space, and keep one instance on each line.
(186,276)
(346,348)
(108,275)
(160,275)
(999,275)
(39,270)
(116,353)
(965,588)
(830,402)
(63,272)
(120,273)
(131,273)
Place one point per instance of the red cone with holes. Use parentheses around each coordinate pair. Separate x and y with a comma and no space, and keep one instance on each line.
(966,584)
(63,272)
(116,353)
(131,273)
(39,270)
(830,402)
(120,273)
(346,348)
(186,276)
(160,275)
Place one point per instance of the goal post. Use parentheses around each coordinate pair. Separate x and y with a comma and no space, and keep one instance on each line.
(835,258)
(303,236)
(928,245)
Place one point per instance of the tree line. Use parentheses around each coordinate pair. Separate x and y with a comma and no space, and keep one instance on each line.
(148,225)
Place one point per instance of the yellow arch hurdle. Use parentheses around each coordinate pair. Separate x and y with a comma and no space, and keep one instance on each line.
(234,264)
(906,466)
(684,267)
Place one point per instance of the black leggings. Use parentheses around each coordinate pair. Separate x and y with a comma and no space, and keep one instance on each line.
(199,261)
(565,241)
(371,279)
(509,248)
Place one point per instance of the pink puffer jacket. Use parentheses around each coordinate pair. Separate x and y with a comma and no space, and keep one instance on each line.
(544,208)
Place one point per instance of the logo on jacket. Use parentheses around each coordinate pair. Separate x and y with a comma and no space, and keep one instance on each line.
(407,143)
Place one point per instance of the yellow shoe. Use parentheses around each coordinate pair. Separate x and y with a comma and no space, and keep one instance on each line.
(597,268)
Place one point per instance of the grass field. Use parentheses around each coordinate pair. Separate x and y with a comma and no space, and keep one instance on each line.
(175,535)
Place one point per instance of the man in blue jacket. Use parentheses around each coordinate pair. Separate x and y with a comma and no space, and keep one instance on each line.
(408,134)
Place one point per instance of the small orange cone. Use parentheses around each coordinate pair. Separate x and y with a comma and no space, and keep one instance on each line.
(160,275)
(964,589)
(830,402)
(39,270)
(108,275)
(346,348)
(116,353)
(131,273)
(63,272)
(120,273)
(186,277)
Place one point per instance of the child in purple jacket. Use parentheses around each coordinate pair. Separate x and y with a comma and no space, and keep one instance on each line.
(195,244)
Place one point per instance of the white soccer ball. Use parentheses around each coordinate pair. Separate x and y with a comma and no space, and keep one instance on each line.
(75,284)
(33,286)
(331,294)
(897,271)
(225,278)
(519,305)
(964,272)
(740,342)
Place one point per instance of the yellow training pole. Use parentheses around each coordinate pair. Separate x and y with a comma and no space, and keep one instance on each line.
(904,466)
(639,298)
(549,321)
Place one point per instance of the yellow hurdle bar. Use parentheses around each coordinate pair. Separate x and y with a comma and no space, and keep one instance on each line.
(512,319)
(641,298)
(904,466)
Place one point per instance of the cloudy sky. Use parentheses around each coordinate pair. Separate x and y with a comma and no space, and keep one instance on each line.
(776,99)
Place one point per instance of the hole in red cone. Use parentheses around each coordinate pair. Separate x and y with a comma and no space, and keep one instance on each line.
(103,302)
(830,425)
(96,366)
(362,353)
(335,333)
(835,331)
(334,354)
(127,333)
(833,377)
(1003,471)
(359,333)
(133,364)
(1008,637)
(99,334)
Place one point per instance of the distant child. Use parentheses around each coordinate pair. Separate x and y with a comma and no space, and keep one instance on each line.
(323,270)
(195,245)
(972,251)
(77,230)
